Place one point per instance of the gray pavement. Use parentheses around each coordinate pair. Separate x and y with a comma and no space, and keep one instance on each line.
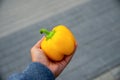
(95,24)
(18,14)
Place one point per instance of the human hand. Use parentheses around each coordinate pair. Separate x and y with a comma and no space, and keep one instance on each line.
(38,55)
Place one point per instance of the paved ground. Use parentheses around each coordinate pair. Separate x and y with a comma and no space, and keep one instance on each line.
(113,74)
(95,24)
(18,14)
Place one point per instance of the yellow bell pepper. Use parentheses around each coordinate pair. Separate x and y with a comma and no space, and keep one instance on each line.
(58,43)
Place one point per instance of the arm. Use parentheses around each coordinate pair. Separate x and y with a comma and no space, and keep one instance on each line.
(42,68)
(34,71)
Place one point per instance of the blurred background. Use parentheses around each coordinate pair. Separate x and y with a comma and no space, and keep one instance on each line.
(95,24)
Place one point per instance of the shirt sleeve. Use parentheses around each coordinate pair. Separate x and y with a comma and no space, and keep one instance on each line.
(34,71)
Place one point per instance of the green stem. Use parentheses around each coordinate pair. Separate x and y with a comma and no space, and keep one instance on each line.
(47,33)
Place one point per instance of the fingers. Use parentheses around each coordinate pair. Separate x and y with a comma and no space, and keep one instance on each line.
(76,44)
(36,46)
(39,42)
(68,58)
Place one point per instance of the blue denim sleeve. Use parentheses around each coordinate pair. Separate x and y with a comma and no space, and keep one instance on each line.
(34,71)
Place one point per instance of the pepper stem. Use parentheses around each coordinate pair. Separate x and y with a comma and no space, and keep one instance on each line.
(47,33)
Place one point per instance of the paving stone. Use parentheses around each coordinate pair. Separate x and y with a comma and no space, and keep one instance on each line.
(16,15)
(116,73)
(106,76)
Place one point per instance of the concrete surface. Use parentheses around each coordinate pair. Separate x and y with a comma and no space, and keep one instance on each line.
(113,74)
(18,14)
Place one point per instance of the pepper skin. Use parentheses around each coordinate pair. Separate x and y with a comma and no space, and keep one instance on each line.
(58,43)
